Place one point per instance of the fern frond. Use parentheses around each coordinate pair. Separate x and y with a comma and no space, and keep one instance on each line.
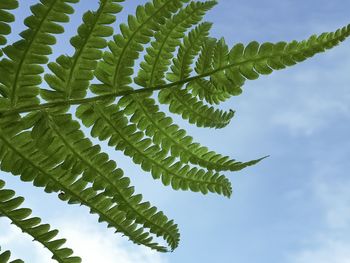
(251,61)
(229,82)
(137,108)
(157,61)
(180,100)
(78,155)
(72,75)
(116,69)
(19,155)
(205,90)
(219,80)
(213,54)
(10,207)
(5,19)
(167,39)
(154,121)
(196,112)
(23,69)
(5,257)
(47,146)
(111,123)
(147,116)
(124,46)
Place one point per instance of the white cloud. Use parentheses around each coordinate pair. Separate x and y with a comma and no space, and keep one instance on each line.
(314,97)
(8,233)
(302,101)
(309,113)
(330,251)
(94,245)
(332,242)
(335,198)
(310,96)
(87,240)
(20,245)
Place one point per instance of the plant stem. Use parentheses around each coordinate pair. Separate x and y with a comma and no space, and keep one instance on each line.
(160,87)
(106,96)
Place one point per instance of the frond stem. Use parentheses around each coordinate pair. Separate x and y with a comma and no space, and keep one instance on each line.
(107,96)
(122,93)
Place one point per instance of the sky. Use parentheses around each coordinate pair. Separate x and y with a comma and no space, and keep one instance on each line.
(294,207)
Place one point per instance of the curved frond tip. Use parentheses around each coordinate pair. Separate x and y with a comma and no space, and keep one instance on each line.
(249,62)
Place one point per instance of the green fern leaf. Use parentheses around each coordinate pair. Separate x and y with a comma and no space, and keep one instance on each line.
(47,147)
(159,54)
(73,74)
(111,123)
(78,156)
(26,55)
(123,51)
(9,207)
(5,19)
(147,116)
(248,63)
(19,155)
(117,67)
(180,100)
(158,59)
(213,54)
(5,257)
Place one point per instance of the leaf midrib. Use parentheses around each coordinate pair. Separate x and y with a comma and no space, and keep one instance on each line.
(24,57)
(122,93)
(77,56)
(176,25)
(127,45)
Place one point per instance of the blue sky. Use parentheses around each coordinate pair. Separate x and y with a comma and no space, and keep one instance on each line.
(292,208)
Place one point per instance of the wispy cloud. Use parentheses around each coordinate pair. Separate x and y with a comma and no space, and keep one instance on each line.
(87,240)
(334,195)
(96,245)
(332,242)
(20,245)
(315,97)
(330,251)
(306,115)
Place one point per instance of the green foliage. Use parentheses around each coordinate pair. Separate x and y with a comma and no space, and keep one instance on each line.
(5,19)
(43,143)
(5,257)
(9,207)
